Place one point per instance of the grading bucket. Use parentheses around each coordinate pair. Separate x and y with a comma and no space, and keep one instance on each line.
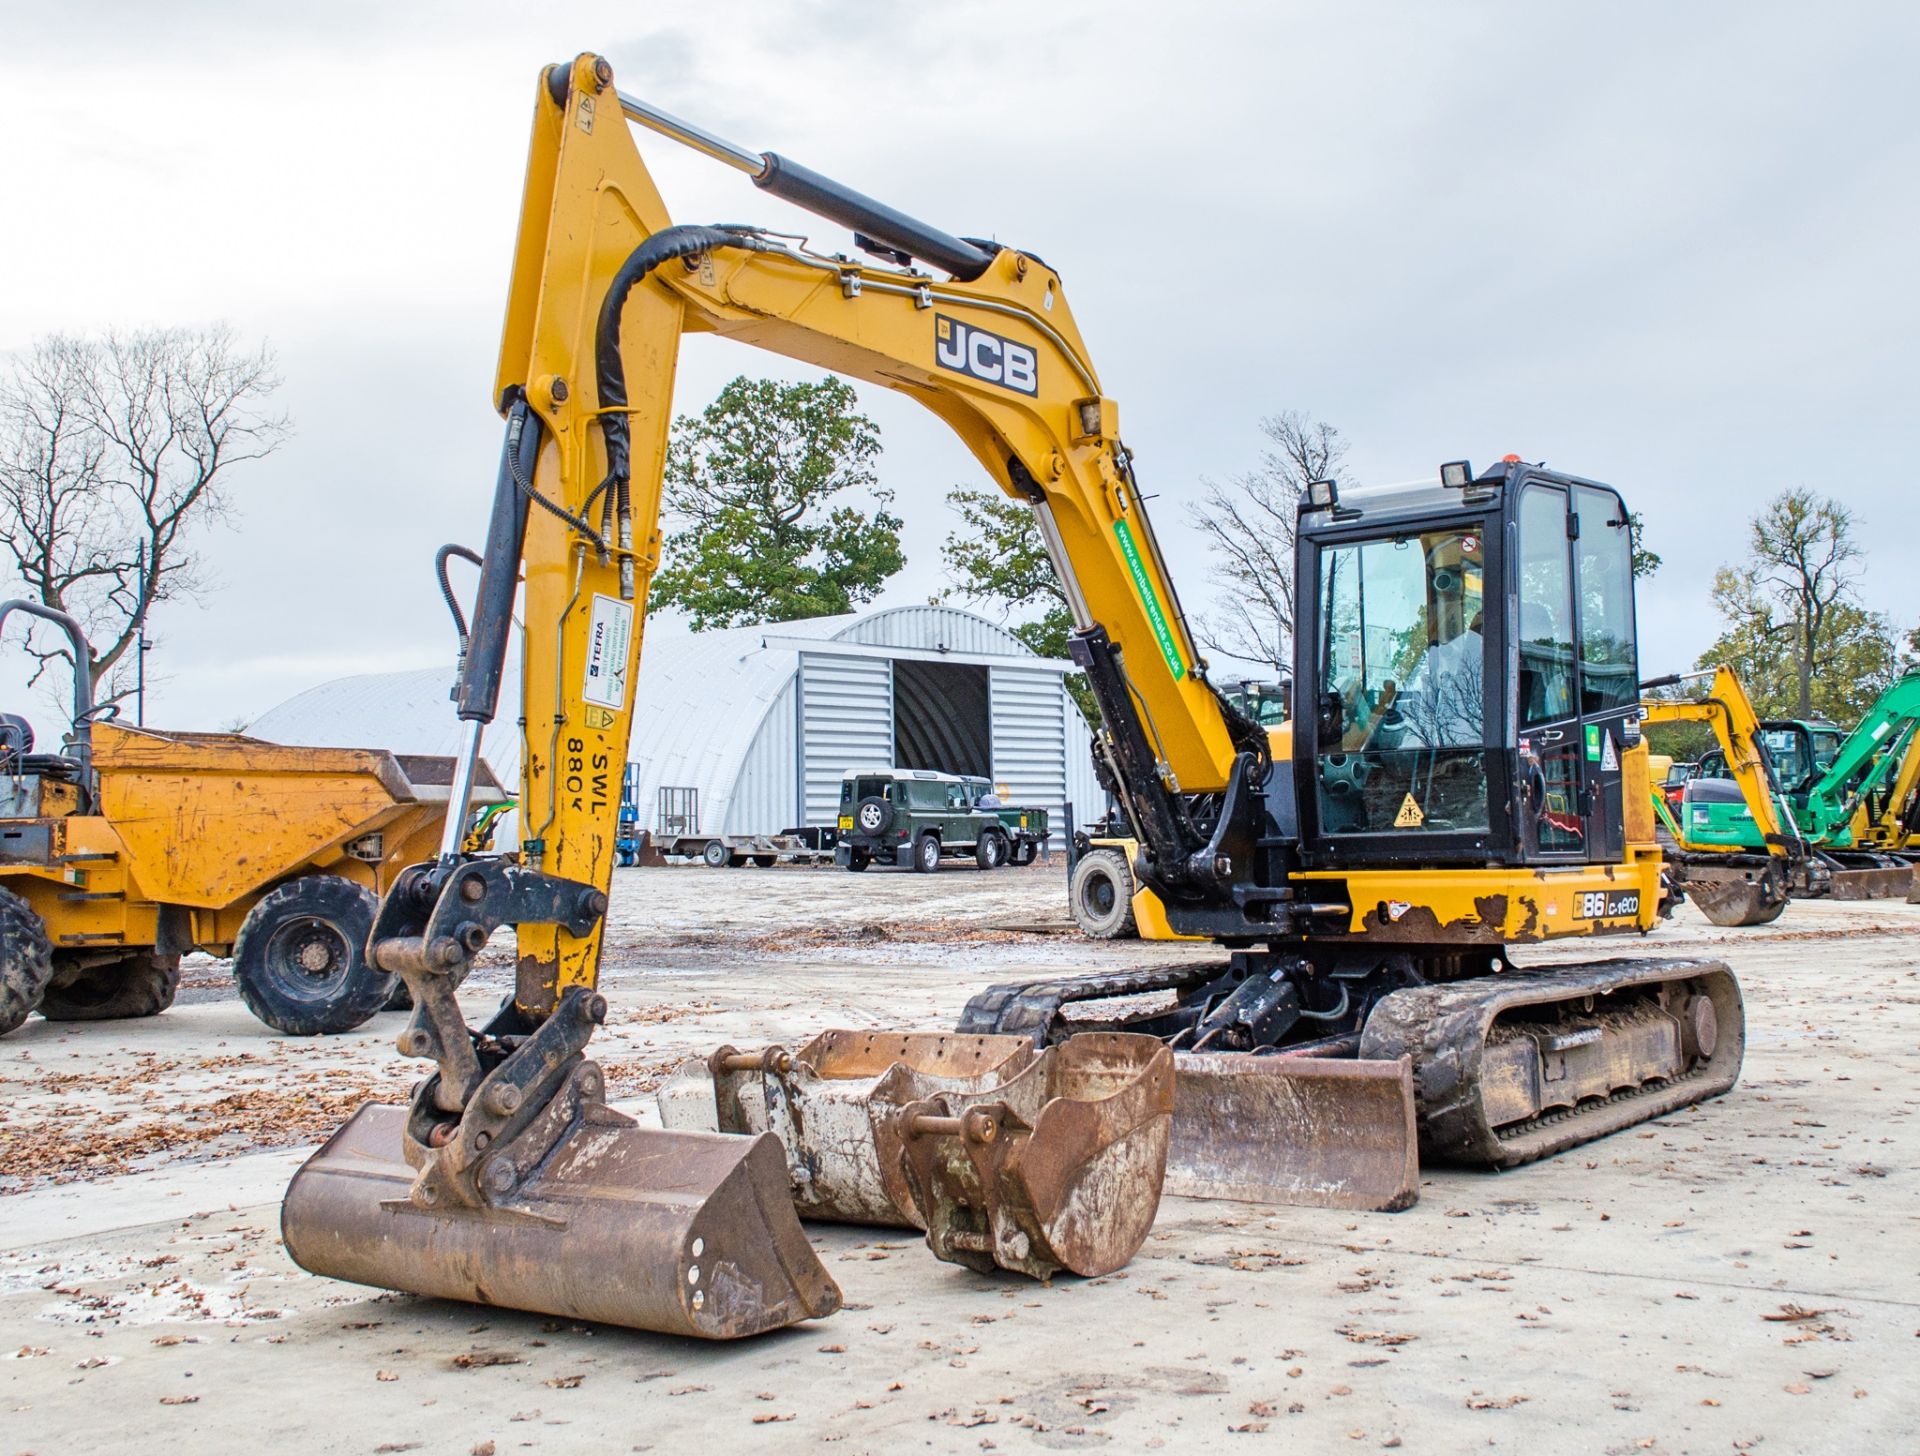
(682,1233)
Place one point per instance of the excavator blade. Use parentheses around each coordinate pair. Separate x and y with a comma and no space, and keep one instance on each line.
(676,1232)
(1323,1132)
(1060,1167)
(1879,883)
(1526,1063)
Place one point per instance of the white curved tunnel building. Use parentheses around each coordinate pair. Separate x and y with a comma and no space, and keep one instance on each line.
(761,722)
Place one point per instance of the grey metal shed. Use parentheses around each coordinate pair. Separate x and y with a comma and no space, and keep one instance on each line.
(762,721)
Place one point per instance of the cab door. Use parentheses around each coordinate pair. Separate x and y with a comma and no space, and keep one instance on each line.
(1577,673)
(1550,784)
(1602,540)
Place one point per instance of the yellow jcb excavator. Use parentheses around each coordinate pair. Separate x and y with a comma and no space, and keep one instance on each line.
(1464,774)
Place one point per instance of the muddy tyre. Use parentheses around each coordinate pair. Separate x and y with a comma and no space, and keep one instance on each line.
(990,851)
(858,859)
(142,984)
(26,961)
(926,853)
(1101,895)
(301,958)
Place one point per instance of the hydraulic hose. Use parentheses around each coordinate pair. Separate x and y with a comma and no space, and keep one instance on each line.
(446,587)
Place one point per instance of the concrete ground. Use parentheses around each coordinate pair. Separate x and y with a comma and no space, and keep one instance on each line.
(1740,1276)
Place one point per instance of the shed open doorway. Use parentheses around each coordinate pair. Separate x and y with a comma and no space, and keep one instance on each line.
(941,717)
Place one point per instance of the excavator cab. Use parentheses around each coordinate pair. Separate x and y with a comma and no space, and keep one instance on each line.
(1434,607)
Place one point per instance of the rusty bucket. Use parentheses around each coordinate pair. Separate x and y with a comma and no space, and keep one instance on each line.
(679,1232)
(1058,1168)
(1325,1132)
(824,1102)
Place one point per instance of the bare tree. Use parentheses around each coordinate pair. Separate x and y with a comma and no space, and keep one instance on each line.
(1249,524)
(112,451)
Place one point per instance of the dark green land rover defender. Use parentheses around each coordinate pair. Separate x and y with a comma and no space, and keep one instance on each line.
(914,817)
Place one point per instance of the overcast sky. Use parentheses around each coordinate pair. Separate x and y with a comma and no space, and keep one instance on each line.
(1669,246)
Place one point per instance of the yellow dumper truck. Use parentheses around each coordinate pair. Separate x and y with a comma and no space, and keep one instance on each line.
(130,848)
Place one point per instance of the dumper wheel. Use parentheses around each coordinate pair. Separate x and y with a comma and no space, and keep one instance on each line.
(142,984)
(1101,895)
(26,961)
(301,961)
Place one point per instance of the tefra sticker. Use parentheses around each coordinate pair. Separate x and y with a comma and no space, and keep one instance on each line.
(608,637)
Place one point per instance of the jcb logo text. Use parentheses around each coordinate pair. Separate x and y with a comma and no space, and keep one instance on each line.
(981,355)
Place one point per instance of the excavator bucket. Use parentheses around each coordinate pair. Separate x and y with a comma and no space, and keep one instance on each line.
(824,1104)
(678,1232)
(1324,1132)
(1059,1168)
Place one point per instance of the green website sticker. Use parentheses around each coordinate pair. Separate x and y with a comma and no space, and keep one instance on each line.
(1156,615)
(1593,743)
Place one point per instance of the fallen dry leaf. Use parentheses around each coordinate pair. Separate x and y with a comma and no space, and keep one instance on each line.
(480,1359)
(481,1448)
(1796,1387)
(1792,1313)
(385,1375)
(179,1400)
(1495,1402)
(688,1389)
(564,1382)
(770,1417)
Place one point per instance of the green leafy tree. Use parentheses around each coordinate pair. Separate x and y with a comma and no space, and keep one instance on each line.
(997,558)
(1763,642)
(756,532)
(1795,632)
(1645,562)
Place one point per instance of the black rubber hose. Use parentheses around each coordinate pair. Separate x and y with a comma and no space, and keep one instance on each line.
(610,371)
(446,587)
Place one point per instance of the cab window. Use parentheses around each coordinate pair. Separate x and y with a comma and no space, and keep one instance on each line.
(1402,720)
(1546,609)
(1604,551)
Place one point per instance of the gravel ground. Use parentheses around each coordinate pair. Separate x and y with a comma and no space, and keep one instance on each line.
(1739,1276)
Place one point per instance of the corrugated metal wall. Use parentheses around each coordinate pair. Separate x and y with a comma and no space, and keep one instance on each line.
(846,721)
(766,795)
(1083,789)
(931,628)
(1029,736)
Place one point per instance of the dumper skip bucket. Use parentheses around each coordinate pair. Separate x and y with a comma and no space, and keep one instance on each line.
(678,1232)
(825,1102)
(1059,1168)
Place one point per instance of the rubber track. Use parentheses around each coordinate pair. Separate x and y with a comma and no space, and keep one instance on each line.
(1444,1028)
